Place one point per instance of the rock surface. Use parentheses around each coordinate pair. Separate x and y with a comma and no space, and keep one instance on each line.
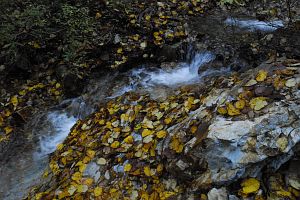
(185,144)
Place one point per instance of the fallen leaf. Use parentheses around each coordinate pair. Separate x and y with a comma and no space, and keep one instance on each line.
(258,103)
(127,167)
(161,134)
(240,104)
(262,75)
(98,191)
(250,186)
(101,161)
(232,111)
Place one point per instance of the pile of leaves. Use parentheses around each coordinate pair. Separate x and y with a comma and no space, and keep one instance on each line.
(122,150)
(19,108)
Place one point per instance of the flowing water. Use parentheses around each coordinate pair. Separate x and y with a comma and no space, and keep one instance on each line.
(51,128)
(255,25)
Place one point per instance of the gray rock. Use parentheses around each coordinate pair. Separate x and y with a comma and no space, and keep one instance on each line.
(217,194)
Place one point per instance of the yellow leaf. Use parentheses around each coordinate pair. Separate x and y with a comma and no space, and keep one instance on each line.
(148,17)
(98,191)
(159,168)
(22,92)
(1,121)
(193,129)
(222,110)
(168,120)
(147,171)
(161,134)
(284,193)
(115,144)
(36,45)
(59,147)
(76,176)
(176,145)
(262,75)
(136,37)
(98,15)
(8,130)
(258,103)
(91,153)
(82,188)
(146,132)
(120,50)
(127,167)
(249,186)
(232,111)
(129,139)
(14,100)
(240,104)
(88,181)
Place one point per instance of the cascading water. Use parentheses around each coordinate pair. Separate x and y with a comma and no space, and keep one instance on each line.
(48,130)
(61,125)
(183,73)
(52,128)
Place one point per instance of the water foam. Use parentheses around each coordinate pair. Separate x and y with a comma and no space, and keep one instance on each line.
(61,125)
(254,25)
(184,73)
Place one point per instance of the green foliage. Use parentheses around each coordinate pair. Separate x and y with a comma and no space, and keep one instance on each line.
(78,27)
(30,26)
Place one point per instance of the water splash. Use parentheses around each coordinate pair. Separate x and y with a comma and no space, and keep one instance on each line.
(60,125)
(184,73)
(254,25)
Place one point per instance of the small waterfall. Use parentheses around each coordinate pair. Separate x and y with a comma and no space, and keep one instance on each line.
(183,73)
(60,125)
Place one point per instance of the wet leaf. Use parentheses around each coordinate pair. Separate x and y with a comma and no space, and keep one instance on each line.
(129,139)
(249,186)
(291,82)
(240,104)
(91,153)
(161,134)
(82,188)
(72,189)
(251,83)
(261,76)
(101,161)
(127,167)
(176,145)
(98,191)
(146,132)
(232,111)
(222,110)
(8,130)
(14,100)
(258,103)
(115,144)
(76,176)
(147,171)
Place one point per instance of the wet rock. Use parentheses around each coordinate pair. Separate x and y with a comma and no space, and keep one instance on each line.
(217,194)
(215,64)
(73,85)
(169,53)
(263,91)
